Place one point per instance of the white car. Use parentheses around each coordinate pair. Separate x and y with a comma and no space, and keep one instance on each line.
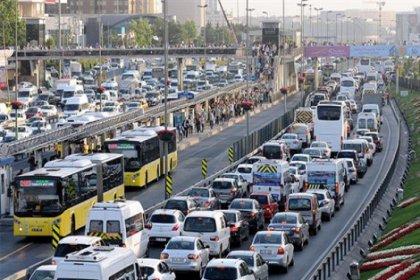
(241,182)
(228,269)
(353,106)
(351,170)
(74,243)
(40,126)
(301,157)
(245,170)
(275,248)
(325,201)
(371,142)
(167,223)
(23,131)
(44,272)
(324,146)
(297,184)
(49,110)
(155,269)
(186,253)
(292,140)
(254,261)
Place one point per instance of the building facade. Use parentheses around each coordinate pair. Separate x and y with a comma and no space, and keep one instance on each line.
(185,10)
(111,7)
(408,27)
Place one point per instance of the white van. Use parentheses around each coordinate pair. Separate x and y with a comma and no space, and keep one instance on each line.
(100,263)
(327,174)
(272,176)
(367,121)
(74,243)
(27,95)
(123,224)
(211,227)
(348,87)
(131,75)
(373,108)
(71,91)
(76,106)
(362,148)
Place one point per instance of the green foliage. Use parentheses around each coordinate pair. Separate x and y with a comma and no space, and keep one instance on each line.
(50,43)
(142,32)
(188,31)
(8,25)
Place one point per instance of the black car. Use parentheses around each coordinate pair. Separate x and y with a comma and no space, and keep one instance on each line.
(251,211)
(205,198)
(239,227)
(184,204)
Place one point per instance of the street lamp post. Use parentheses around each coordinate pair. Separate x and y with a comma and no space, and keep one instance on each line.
(328,38)
(318,25)
(302,41)
(16,67)
(249,72)
(204,40)
(165,144)
(336,27)
(284,55)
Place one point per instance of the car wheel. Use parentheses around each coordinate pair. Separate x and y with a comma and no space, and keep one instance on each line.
(300,247)
(226,252)
(292,263)
(319,227)
(220,252)
(286,268)
(200,272)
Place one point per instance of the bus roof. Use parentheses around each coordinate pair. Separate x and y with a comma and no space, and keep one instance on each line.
(95,157)
(51,172)
(69,163)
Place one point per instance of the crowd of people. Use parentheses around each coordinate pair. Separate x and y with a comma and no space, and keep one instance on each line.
(222,111)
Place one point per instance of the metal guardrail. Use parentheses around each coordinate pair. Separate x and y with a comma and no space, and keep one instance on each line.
(328,262)
(67,133)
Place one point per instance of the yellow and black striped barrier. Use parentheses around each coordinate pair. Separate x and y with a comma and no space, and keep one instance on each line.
(55,235)
(168,186)
(230,154)
(204,168)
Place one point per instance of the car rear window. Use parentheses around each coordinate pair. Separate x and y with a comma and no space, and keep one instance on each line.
(199,224)
(244,169)
(64,249)
(284,218)
(249,260)
(176,204)
(180,245)
(346,155)
(299,204)
(222,185)
(262,199)
(199,192)
(146,271)
(241,205)
(267,238)
(163,219)
(221,273)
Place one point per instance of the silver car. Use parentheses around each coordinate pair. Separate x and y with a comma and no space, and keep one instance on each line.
(185,253)
(326,203)
(274,247)
(351,170)
(292,140)
(254,261)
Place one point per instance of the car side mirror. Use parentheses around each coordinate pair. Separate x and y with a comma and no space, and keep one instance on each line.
(148,226)
(207,246)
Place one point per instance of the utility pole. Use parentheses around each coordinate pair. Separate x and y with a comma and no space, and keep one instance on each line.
(16,67)
(5,63)
(59,40)
(204,40)
(165,144)
(284,57)
(318,25)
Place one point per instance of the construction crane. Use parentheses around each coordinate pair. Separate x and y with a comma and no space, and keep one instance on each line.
(232,31)
(380,4)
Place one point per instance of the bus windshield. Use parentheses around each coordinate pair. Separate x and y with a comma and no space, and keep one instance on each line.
(130,153)
(329,113)
(37,195)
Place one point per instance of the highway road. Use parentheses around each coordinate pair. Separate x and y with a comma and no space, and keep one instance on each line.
(356,196)
(19,253)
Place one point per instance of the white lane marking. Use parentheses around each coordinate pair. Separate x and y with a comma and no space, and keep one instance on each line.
(16,251)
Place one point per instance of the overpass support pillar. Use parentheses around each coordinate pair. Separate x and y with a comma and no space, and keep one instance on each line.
(102,146)
(63,149)
(207,108)
(113,133)
(180,61)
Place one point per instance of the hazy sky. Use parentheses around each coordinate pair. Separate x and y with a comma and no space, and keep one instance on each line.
(275,6)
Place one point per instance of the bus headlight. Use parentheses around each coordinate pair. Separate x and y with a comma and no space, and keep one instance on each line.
(134,177)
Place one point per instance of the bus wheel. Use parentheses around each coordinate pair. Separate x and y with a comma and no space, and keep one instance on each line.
(73,225)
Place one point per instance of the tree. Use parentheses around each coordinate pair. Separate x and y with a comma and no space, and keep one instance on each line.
(142,32)
(8,25)
(188,31)
(50,43)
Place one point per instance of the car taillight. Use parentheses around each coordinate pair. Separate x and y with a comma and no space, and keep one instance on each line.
(251,248)
(253,214)
(336,187)
(280,251)
(306,185)
(206,204)
(233,190)
(193,257)
(296,229)
(353,169)
(267,208)
(164,256)
(233,228)
(124,245)
(214,238)
(175,227)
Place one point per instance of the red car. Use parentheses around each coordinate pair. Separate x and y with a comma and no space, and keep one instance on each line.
(267,202)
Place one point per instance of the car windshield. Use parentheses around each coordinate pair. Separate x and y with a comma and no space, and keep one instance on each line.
(346,155)
(146,271)
(221,185)
(241,205)
(288,137)
(349,163)
(299,204)
(242,169)
(220,273)
(64,249)
(24,94)
(347,83)
(176,204)
(267,238)
(33,110)
(249,260)
(199,192)
(253,160)
(284,219)
(230,217)
(180,245)
(353,146)
(199,224)
(299,158)
(312,152)
(133,105)
(163,219)
(262,199)
(319,196)
(46,107)
(71,107)
(43,275)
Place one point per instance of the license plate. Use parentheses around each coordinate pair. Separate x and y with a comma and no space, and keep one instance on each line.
(161,239)
(177,260)
(266,252)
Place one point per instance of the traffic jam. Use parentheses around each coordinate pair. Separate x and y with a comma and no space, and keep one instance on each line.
(276,200)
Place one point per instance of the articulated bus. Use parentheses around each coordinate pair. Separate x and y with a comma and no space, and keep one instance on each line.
(330,125)
(62,193)
(144,158)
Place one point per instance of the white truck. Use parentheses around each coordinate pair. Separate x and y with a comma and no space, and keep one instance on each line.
(75,69)
(272,176)
(327,174)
